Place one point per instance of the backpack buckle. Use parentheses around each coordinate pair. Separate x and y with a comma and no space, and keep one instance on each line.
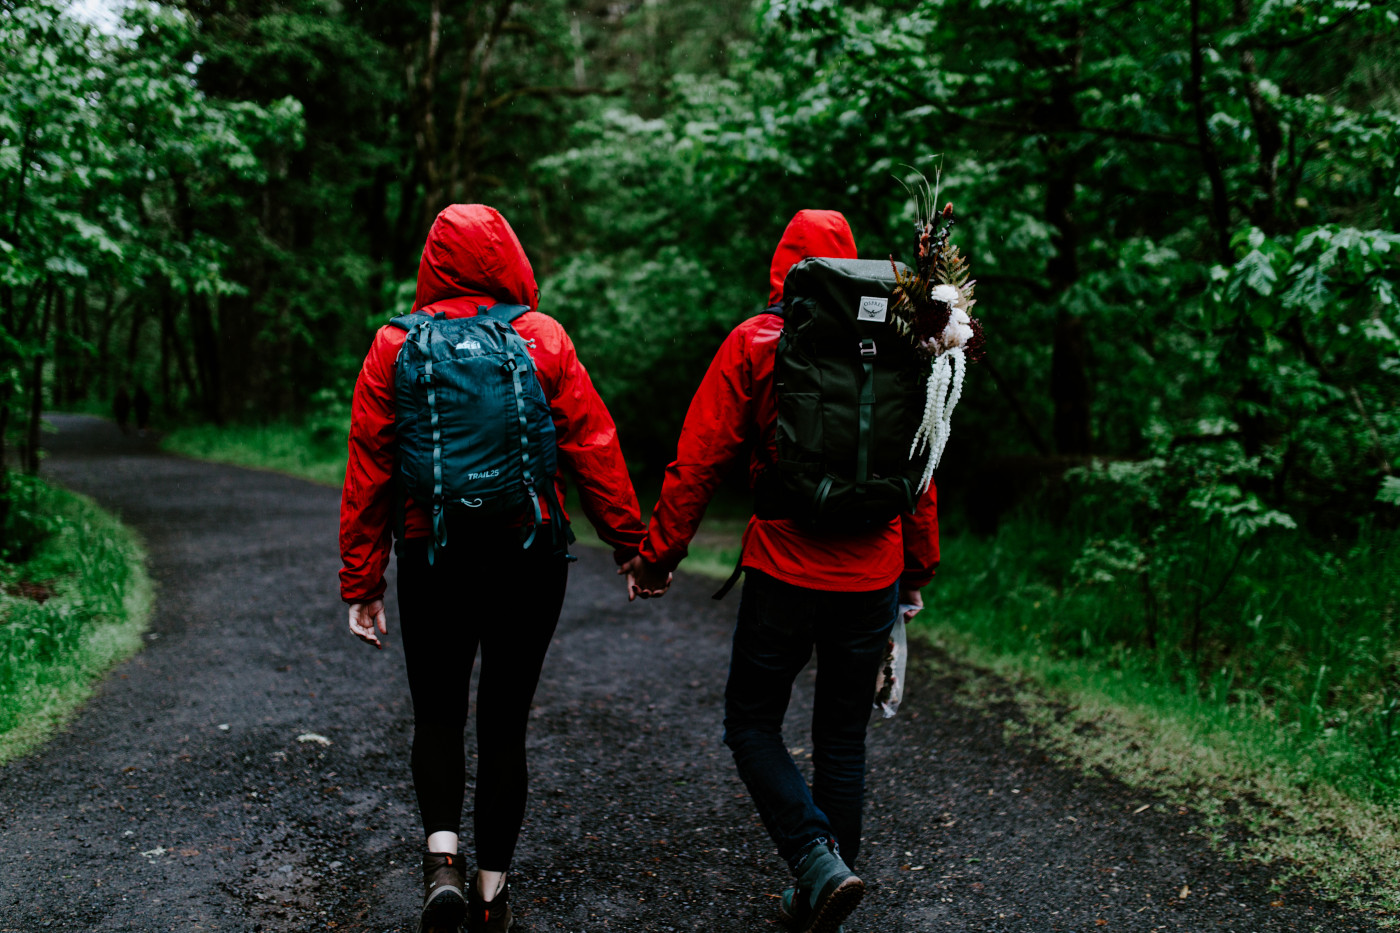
(425,379)
(510,365)
(867,347)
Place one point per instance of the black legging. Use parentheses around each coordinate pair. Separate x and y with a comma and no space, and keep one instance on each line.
(507,600)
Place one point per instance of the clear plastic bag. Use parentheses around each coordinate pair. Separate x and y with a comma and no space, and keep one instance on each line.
(889,683)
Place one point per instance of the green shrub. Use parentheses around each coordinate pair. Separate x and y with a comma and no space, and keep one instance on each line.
(75,606)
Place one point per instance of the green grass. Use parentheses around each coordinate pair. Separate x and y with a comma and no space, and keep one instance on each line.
(282,447)
(1283,721)
(51,654)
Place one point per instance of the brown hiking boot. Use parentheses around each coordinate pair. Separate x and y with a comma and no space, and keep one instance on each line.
(491,916)
(443,905)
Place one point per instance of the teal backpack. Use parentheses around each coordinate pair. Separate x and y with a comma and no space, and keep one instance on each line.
(474,433)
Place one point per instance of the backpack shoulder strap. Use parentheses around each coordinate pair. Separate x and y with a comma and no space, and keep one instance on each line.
(772,309)
(504,313)
(406,321)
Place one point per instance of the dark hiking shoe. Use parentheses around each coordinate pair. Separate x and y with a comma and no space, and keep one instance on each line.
(785,909)
(826,893)
(443,904)
(491,916)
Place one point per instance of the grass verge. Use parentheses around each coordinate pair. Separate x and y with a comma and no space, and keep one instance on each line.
(1250,741)
(89,571)
(302,451)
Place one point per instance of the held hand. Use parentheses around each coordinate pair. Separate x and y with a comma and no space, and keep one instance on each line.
(912,600)
(644,580)
(365,618)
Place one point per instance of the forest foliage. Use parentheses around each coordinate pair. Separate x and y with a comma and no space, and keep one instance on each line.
(1184,222)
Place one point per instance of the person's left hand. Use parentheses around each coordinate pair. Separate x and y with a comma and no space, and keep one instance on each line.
(644,580)
(911,596)
(365,618)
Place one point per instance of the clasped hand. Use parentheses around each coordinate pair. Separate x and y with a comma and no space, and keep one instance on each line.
(644,580)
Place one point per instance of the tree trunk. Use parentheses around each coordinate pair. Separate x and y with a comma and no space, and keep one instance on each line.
(425,136)
(1210,160)
(36,389)
(177,348)
(1069,364)
(103,367)
(82,327)
(4,466)
(206,357)
(1264,210)
(63,361)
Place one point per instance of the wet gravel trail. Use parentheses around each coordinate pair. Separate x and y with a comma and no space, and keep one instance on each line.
(248,771)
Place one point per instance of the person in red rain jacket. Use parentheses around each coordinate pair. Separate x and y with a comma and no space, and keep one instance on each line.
(486,591)
(838,594)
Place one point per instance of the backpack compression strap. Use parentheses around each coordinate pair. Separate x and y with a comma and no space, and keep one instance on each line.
(439,536)
(503,313)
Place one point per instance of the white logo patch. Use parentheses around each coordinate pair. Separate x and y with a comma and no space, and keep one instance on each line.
(873,309)
(468,344)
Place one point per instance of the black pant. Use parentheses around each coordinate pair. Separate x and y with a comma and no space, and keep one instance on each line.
(492,593)
(779,626)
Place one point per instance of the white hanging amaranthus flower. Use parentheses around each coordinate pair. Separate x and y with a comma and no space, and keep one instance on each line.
(945,384)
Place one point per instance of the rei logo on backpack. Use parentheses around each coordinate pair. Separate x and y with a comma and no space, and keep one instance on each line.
(850,396)
(474,432)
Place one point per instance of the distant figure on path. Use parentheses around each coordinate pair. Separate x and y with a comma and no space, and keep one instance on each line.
(426,461)
(142,404)
(121,407)
(835,591)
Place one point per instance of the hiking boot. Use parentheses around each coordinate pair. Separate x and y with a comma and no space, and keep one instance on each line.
(826,892)
(491,916)
(443,904)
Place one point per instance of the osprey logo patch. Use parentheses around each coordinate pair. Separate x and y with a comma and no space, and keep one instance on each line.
(873,309)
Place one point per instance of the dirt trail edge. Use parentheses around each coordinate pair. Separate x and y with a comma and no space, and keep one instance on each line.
(248,771)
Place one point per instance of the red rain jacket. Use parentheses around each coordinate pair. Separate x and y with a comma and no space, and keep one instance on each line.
(472,258)
(736,401)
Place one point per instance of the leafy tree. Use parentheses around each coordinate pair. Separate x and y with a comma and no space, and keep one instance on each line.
(103,143)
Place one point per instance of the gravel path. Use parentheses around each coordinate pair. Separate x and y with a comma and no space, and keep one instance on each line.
(248,771)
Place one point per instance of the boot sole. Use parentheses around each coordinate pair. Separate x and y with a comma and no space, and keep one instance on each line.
(838,906)
(445,912)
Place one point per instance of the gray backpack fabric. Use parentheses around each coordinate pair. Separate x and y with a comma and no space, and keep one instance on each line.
(475,438)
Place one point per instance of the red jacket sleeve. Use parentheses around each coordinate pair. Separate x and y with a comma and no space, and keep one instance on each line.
(715,429)
(366,500)
(588,446)
(920,533)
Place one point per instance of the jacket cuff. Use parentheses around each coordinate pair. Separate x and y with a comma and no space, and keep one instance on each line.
(374,594)
(622,555)
(912,580)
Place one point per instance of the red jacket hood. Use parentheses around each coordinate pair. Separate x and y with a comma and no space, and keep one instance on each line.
(810,233)
(472,252)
